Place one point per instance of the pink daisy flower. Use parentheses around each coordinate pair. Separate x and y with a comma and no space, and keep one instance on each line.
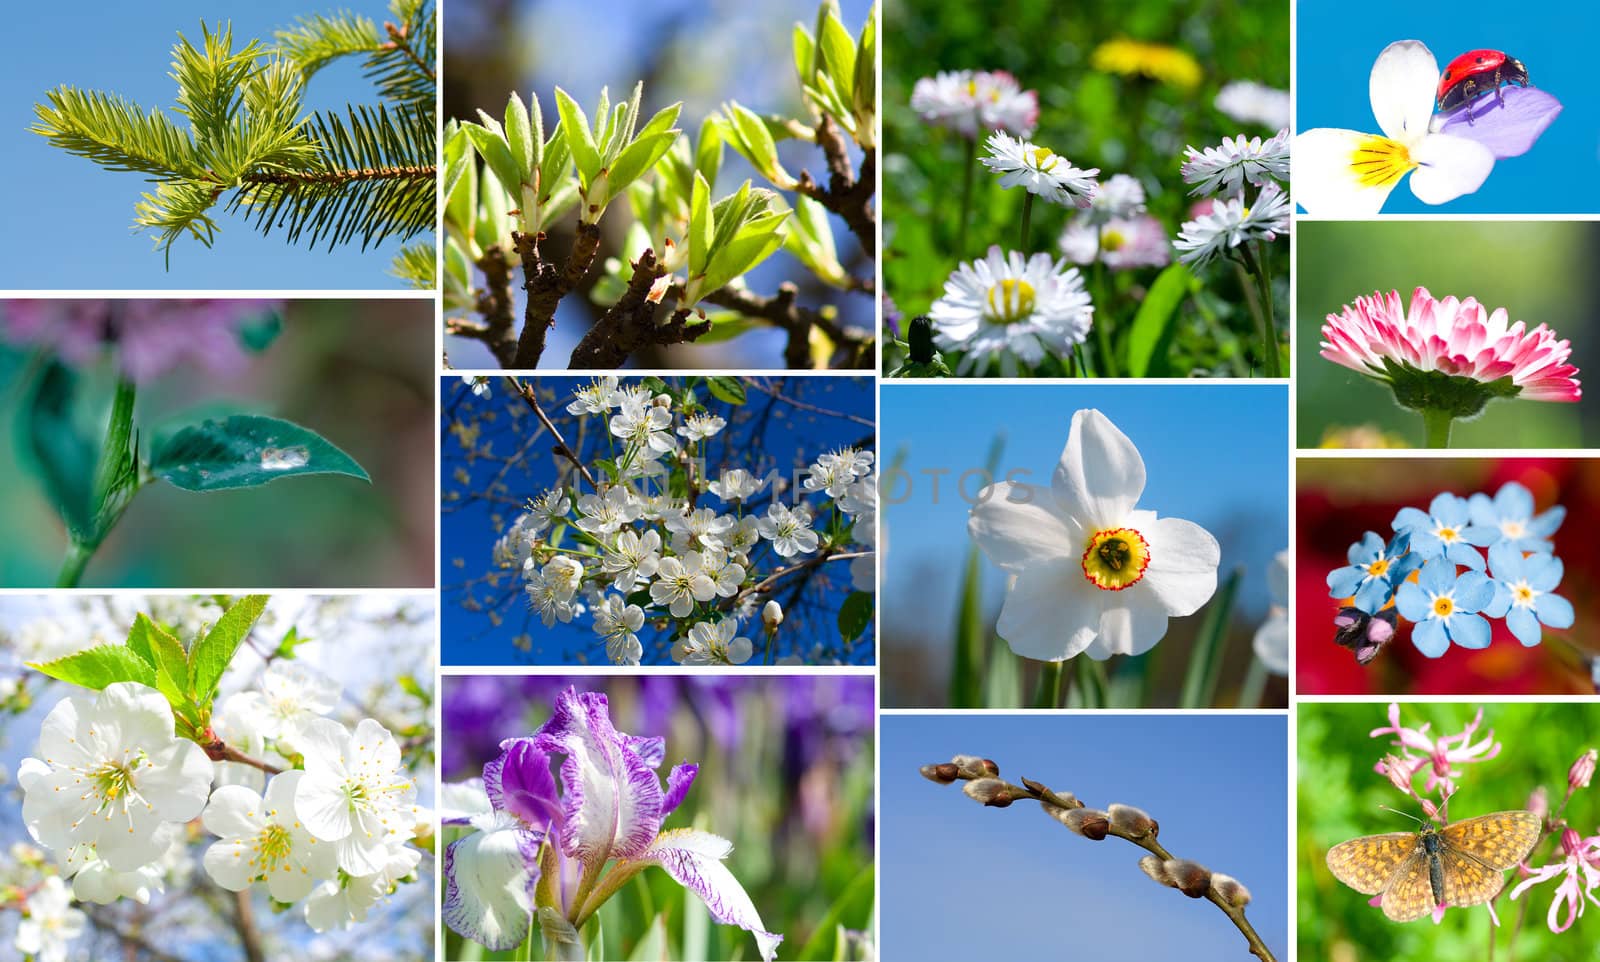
(1459,338)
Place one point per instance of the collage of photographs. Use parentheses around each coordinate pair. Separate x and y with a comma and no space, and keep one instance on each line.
(586,337)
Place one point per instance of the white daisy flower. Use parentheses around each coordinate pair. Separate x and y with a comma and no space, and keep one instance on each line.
(1007,308)
(1119,197)
(1231,223)
(1251,103)
(1040,170)
(969,101)
(1120,244)
(1226,168)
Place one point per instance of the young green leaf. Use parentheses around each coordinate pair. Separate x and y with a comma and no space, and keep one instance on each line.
(754,243)
(838,55)
(755,142)
(805,54)
(639,157)
(708,150)
(580,139)
(519,137)
(100,666)
(166,655)
(491,146)
(727,389)
(855,615)
(211,654)
(244,451)
(702,226)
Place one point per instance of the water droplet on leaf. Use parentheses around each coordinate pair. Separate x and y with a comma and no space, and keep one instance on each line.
(282,459)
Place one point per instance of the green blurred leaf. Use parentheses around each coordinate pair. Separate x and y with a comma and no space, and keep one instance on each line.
(1205,662)
(855,615)
(1150,337)
(62,456)
(211,654)
(244,451)
(727,389)
(1002,682)
(100,666)
(850,910)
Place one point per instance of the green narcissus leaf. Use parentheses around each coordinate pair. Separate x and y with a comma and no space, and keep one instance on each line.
(244,451)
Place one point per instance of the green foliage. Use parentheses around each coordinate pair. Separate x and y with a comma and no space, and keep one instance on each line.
(212,653)
(244,451)
(61,453)
(100,666)
(1150,336)
(366,172)
(729,389)
(855,614)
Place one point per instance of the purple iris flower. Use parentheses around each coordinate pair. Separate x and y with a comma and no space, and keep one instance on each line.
(544,845)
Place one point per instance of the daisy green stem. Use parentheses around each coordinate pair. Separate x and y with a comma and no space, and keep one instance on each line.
(1266,327)
(966,196)
(1436,427)
(1107,366)
(1027,220)
(1048,694)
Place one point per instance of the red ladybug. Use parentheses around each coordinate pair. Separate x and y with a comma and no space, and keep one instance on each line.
(1476,72)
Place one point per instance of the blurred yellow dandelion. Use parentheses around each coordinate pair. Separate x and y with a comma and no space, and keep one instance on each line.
(1156,61)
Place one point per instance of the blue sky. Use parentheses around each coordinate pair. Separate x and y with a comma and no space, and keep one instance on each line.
(790,437)
(71,221)
(1216,784)
(1214,454)
(1340,39)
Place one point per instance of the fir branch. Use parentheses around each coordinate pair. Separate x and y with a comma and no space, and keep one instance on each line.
(373,178)
(316,41)
(403,66)
(417,265)
(115,133)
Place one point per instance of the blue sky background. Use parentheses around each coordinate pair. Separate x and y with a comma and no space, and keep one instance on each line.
(1214,454)
(1338,40)
(1216,784)
(717,50)
(789,438)
(70,221)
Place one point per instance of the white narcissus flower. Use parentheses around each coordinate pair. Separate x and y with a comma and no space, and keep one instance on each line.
(355,794)
(1271,642)
(111,772)
(1040,171)
(1347,173)
(51,922)
(1093,574)
(1011,308)
(711,643)
(788,530)
(261,839)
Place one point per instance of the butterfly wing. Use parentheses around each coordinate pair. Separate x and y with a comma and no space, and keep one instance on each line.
(1468,881)
(1498,841)
(1367,864)
(1410,892)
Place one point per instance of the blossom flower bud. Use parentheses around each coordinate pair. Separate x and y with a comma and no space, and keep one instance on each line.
(1429,809)
(1156,868)
(1538,802)
(772,615)
(990,791)
(1130,822)
(1582,771)
(1088,822)
(974,767)
(1362,633)
(1397,771)
(943,773)
(1230,890)
(1190,878)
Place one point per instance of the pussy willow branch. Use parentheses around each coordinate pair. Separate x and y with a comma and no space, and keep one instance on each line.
(1048,799)
(847,194)
(561,449)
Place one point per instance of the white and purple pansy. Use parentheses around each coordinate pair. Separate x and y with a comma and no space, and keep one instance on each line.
(544,848)
(1441,531)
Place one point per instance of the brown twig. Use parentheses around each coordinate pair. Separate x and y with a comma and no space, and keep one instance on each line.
(848,195)
(397,36)
(561,449)
(770,581)
(103,920)
(244,922)
(1138,828)
(219,751)
(630,324)
(546,286)
(495,305)
(782,311)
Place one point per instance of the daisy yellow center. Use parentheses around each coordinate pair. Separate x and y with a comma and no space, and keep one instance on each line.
(1010,301)
(1381,162)
(1444,606)
(1112,240)
(972,88)
(1042,159)
(1379,568)
(1116,558)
